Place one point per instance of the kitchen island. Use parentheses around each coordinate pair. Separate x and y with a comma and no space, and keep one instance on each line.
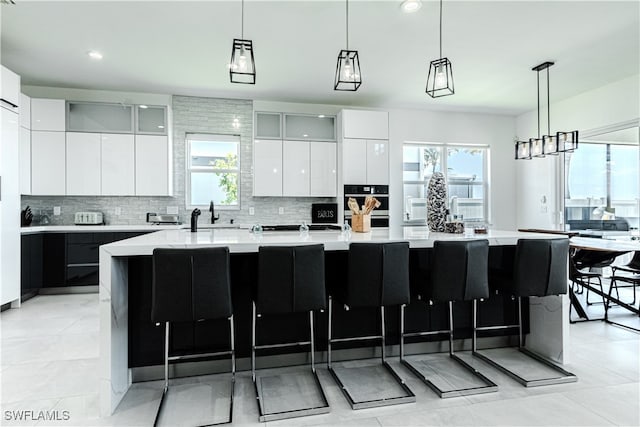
(125,293)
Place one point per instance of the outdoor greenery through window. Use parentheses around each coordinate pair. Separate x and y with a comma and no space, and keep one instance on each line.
(465,169)
(213,170)
(602,182)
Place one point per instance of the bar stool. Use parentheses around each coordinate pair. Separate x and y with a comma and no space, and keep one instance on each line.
(290,280)
(191,285)
(378,276)
(458,273)
(540,269)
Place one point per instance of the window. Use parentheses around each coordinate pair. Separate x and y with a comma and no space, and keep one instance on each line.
(464,167)
(213,170)
(602,182)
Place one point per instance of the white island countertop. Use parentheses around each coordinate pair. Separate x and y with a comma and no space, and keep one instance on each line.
(244,241)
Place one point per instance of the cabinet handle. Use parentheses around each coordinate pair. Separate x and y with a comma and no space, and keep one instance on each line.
(11,104)
(87,264)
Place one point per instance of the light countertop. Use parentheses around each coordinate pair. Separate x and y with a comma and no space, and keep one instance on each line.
(112,228)
(243,241)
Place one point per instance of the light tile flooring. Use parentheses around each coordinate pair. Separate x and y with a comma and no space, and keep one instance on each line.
(50,362)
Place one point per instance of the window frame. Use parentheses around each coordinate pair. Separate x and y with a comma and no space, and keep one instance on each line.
(444,147)
(211,137)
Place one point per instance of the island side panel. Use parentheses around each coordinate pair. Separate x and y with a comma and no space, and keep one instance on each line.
(114,317)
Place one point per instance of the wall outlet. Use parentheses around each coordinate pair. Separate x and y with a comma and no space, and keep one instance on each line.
(543,209)
(56,210)
(280,210)
(118,211)
(252,211)
(172,210)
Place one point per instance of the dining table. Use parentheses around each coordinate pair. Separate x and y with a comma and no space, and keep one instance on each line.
(601,249)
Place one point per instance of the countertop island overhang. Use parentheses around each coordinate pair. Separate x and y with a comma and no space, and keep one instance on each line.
(548,317)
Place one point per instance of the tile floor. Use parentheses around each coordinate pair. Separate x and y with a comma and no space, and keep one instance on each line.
(49,362)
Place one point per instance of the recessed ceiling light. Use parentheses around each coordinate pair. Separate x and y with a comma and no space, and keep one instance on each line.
(143,106)
(410,6)
(160,127)
(94,54)
(321,116)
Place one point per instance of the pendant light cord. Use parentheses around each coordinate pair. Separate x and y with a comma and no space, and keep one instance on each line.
(440,28)
(548,106)
(242,22)
(538,93)
(347,19)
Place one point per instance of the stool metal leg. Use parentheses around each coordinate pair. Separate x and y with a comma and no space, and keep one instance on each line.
(409,397)
(488,387)
(565,377)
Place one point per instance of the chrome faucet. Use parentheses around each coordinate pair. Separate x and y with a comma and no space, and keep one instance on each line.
(214,217)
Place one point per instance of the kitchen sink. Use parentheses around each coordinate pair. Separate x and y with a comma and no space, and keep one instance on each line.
(216,226)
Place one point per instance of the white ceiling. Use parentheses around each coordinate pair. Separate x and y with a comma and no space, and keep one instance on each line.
(183,47)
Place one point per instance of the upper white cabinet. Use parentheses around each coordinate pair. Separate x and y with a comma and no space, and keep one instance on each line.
(24,165)
(47,114)
(377,162)
(83,164)
(295,170)
(10,87)
(151,119)
(48,163)
(354,162)
(25,111)
(318,127)
(268,125)
(365,124)
(117,165)
(152,165)
(99,117)
(323,169)
(267,168)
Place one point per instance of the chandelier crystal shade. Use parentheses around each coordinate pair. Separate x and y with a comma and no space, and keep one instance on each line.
(348,76)
(541,146)
(242,67)
(440,77)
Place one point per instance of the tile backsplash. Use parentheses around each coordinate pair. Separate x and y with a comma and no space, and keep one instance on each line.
(196,115)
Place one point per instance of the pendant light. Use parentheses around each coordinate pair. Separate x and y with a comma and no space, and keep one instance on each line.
(548,144)
(242,68)
(440,78)
(348,76)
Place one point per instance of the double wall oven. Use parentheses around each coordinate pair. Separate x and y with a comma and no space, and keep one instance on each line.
(380,216)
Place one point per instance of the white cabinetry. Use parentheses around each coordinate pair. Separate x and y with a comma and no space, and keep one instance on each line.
(152,165)
(323,168)
(25,161)
(47,114)
(295,170)
(267,168)
(117,165)
(377,162)
(9,187)
(365,147)
(24,166)
(354,161)
(365,124)
(83,164)
(48,163)
(10,86)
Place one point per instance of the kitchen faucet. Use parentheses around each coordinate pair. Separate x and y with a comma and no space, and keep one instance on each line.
(214,217)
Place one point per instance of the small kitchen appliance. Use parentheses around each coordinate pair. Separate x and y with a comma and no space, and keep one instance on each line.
(88,218)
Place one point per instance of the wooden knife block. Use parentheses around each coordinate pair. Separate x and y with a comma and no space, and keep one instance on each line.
(361,223)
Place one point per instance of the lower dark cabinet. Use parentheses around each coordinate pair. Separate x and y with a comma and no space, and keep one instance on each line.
(54,260)
(30,264)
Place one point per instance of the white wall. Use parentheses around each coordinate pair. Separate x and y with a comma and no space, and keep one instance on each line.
(496,131)
(614,103)
(96,95)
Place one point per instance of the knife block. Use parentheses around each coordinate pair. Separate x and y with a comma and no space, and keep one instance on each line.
(361,223)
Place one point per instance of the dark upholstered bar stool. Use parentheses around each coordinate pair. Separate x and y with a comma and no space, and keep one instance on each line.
(458,273)
(192,285)
(378,277)
(540,269)
(290,280)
